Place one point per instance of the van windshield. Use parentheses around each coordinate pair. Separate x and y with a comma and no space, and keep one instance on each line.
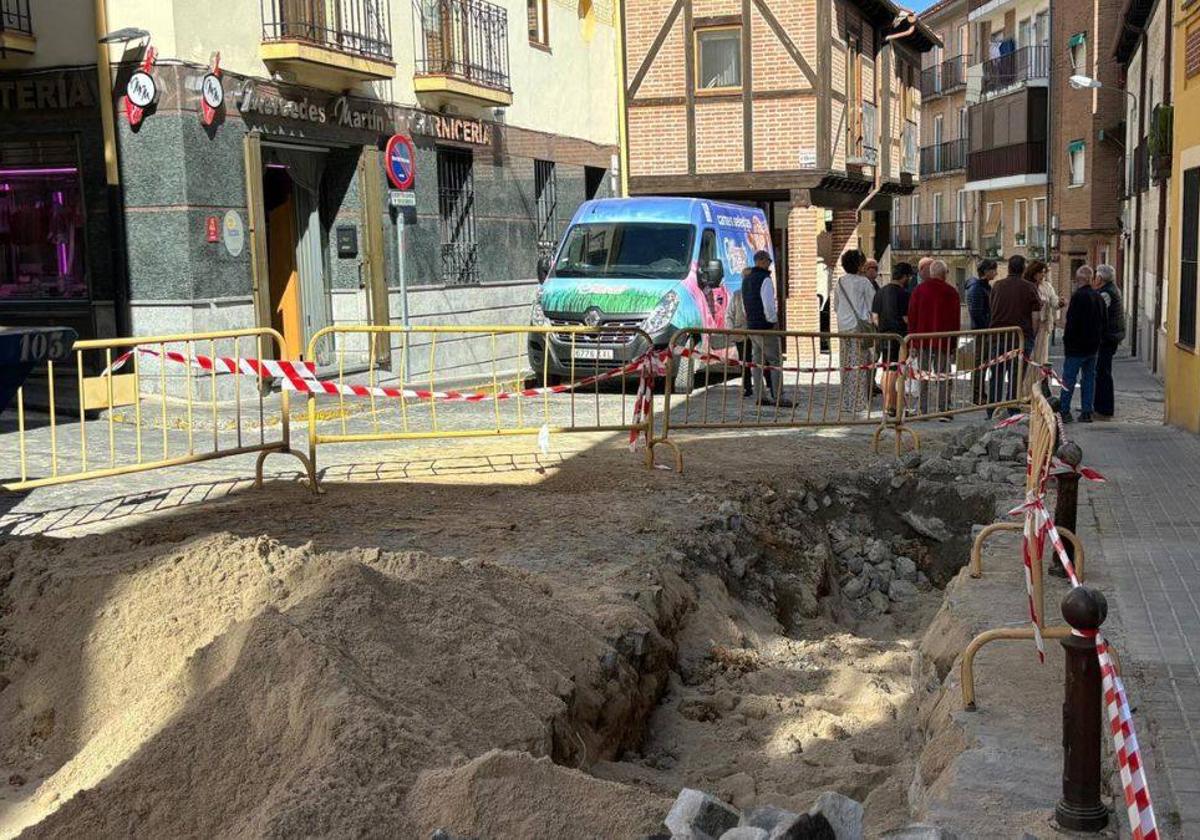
(626,249)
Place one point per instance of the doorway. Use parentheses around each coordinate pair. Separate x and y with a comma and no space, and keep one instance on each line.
(283,274)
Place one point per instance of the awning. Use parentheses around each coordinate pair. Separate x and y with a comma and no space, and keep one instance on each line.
(1074,146)
(995,215)
(1077,39)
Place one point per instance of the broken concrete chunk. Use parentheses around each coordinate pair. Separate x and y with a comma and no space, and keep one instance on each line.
(902,590)
(906,569)
(911,460)
(696,813)
(920,831)
(878,553)
(879,601)
(936,468)
(738,789)
(926,526)
(845,816)
(745,833)
(856,588)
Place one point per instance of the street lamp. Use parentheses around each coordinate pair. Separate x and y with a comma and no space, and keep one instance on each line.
(1081,82)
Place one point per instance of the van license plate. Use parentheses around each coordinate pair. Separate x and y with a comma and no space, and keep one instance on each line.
(594,353)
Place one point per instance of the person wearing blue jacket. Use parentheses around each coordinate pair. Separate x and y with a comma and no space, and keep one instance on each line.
(979,308)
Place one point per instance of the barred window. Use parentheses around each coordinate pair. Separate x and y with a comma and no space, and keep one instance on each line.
(545,190)
(456,215)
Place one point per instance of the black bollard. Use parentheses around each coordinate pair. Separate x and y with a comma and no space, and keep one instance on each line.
(1080,808)
(1067,502)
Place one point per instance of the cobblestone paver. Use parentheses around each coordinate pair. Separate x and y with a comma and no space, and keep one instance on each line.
(1145,523)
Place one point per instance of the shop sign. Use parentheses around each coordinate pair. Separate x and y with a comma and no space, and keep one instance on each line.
(233,233)
(51,92)
(212,94)
(461,130)
(140,90)
(341,112)
(212,229)
(400,161)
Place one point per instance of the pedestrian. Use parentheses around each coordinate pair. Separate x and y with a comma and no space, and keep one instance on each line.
(735,319)
(934,307)
(1036,273)
(853,306)
(758,299)
(1014,303)
(871,272)
(922,272)
(1105,282)
(979,309)
(1087,317)
(889,313)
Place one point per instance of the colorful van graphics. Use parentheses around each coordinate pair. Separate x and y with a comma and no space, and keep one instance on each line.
(639,262)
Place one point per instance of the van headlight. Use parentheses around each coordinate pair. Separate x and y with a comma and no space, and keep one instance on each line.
(661,317)
(537,315)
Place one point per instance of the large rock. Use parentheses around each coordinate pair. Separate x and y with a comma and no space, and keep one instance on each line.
(786,825)
(926,526)
(855,588)
(906,569)
(936,468)
(696,814)
(845,816)
(878,552)
(879,601)
(902,590)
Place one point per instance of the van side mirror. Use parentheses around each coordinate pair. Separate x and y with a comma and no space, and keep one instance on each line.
(712,273)
(543,268)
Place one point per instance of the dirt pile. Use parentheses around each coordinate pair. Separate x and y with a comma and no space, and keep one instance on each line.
(267,691)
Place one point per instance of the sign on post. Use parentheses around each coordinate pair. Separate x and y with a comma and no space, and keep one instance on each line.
(400,161)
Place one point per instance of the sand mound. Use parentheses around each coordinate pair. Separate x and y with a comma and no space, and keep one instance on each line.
(505,795)
(239,688)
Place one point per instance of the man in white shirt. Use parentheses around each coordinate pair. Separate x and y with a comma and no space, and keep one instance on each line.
(762,313)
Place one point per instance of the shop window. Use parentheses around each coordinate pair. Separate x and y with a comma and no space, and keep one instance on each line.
(545,190)
(719,66)
(41,222)
(1075,163)
(456,215)
(538,12)
(1188,256)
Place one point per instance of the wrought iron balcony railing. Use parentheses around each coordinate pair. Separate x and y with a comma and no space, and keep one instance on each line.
(1002,161)
(940,158)
(1023,65)
(944,78)
(934,236)
(356,27)
(466,40)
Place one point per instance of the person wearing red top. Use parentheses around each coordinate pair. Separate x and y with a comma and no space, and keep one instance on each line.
(934,307)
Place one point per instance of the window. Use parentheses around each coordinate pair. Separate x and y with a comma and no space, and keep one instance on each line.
(719,66)
(41,222)
(1020,221)
(961,219)
(964,45)
(1037,224)
(1188,255)
(1075,163)
(1078,48)
(708,247)
(538,12)
(456,215)
(914,211)
(647,250)
(593,181)
(1191,52)
(545,191)
(1041,29)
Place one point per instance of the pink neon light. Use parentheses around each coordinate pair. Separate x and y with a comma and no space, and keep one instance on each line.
(64,264)
(53,170)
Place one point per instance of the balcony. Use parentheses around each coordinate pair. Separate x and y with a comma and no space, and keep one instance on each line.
(1028,64)
(928,238)
(462,53)
(332,44)
(942,158)
(16,30)
(943,78)
(992,244)
(1019,164)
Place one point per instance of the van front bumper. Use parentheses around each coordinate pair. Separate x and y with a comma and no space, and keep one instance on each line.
(580,355)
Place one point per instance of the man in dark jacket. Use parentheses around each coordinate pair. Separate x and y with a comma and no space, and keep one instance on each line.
(762,313)
(1084,331)
(979,307)
(1114,333)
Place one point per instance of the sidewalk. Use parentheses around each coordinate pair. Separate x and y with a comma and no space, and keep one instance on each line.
(1143,528)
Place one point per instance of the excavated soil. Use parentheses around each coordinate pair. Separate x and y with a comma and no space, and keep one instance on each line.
(528,654)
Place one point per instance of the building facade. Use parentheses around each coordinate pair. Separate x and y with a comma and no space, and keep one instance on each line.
(808,109)
(1142,49)
(251,188)
(1182,350)
(938,219)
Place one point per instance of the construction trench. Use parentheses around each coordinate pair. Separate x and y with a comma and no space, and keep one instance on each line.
(531,654)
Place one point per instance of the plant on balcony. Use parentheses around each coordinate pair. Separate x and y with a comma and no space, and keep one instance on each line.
(1162,120)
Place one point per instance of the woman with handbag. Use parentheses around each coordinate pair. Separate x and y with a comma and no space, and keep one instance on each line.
(855,294)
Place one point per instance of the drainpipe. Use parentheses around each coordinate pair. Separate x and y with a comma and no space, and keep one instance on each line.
(112,177)
(622,123)
(905,16)
(1160,244)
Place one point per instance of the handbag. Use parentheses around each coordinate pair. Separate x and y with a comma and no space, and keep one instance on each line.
(871,346)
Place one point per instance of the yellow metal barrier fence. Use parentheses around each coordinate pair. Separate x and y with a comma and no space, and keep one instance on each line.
(795,385)
(391,383)
(948,373)
(119,406)
(1042,437)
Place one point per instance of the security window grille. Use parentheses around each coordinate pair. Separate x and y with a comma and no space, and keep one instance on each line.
(545,189)
(456,216)
(720,64)
(1189,253)
(538,12)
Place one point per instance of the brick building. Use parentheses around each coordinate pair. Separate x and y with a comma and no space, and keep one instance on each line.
(1142,50)
(807,108)
(938,219)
